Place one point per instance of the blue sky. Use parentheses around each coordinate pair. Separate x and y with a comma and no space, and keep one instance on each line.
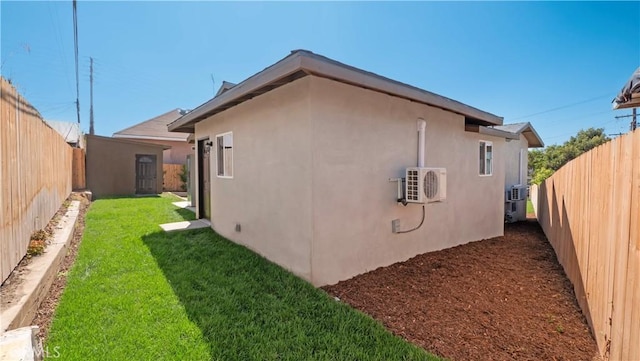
(518,60)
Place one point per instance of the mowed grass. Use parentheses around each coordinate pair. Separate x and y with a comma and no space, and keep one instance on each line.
(530,207)
(136,293)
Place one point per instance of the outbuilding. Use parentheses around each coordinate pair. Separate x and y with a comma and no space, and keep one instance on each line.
(332,171)
(123,167)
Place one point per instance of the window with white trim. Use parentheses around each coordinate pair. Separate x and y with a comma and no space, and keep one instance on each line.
(224,153)
(486,158)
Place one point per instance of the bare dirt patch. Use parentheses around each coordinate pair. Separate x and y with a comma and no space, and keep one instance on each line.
(504,298)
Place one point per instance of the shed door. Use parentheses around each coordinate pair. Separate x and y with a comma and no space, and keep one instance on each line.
(146,173)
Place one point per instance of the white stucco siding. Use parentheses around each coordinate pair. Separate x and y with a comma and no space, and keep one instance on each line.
(361,139)
(270,192)
(512,161)
(516,163)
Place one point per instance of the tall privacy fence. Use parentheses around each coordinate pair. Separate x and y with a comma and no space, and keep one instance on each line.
(35,175)
(171,178)
(590,212)
(79,175)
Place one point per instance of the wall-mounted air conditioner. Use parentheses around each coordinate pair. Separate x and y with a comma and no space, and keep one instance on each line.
(518,193)
(425,185)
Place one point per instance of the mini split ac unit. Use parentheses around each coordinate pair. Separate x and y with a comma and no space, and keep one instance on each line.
(425,185)
(517,193)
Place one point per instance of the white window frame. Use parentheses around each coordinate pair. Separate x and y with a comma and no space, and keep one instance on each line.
(217,145)
(484,158)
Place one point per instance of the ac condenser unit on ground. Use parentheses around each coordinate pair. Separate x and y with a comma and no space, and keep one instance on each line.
(425,185)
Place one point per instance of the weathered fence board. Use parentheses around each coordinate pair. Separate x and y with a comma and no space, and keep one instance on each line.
(590,211)
(35,175)
(171,181)
(79,176)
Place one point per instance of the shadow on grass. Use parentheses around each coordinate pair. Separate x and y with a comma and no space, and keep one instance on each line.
(251,309)
(185,214)
(121,196)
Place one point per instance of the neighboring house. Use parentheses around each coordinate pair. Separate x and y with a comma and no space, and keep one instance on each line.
(300,163)
(516,158)
(123,167)
(155,131)
(629,96)
(224,87)
(70,131)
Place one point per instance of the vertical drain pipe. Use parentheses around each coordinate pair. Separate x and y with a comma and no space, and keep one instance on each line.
(422,125)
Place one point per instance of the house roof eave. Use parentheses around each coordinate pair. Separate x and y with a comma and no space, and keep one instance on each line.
(526,129)
(301,63)
(148,137)
(128,141)
(481,129)
(279,70)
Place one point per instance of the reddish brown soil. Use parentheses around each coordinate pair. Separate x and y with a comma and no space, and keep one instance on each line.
(504,298)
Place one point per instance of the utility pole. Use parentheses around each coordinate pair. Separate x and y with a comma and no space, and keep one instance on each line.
(213,85)
(91,131)
(75,50)
(634,123)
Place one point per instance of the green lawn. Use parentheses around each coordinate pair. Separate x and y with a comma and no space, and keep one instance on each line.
(136,293)
(530,206)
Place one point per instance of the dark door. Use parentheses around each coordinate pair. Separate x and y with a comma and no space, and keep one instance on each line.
(146,174)
(204,178)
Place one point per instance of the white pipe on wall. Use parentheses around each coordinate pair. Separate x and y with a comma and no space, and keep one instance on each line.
(520,166)
(422,126)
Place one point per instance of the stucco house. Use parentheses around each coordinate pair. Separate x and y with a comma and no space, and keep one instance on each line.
(304,163)
(123,167)
(155,131)
(516,156)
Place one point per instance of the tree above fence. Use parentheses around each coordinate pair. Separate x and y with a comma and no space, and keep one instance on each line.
(543,163)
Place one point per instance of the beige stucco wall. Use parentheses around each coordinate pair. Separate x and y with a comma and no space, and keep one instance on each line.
(513,170)
(311,190)
(511,156)
(361,139)
(111,165)
(270,193)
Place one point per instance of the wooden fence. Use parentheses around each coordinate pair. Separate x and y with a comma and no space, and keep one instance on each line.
(590,212)
(172,182)
(78,174)
(35,175)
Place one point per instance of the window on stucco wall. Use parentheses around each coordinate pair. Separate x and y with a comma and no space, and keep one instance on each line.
(224,153)
(486,158)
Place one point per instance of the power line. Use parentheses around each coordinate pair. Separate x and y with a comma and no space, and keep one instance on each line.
(562,107)
(58,39)
(75,48)
(583,116)
(573,133)
(634,123)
